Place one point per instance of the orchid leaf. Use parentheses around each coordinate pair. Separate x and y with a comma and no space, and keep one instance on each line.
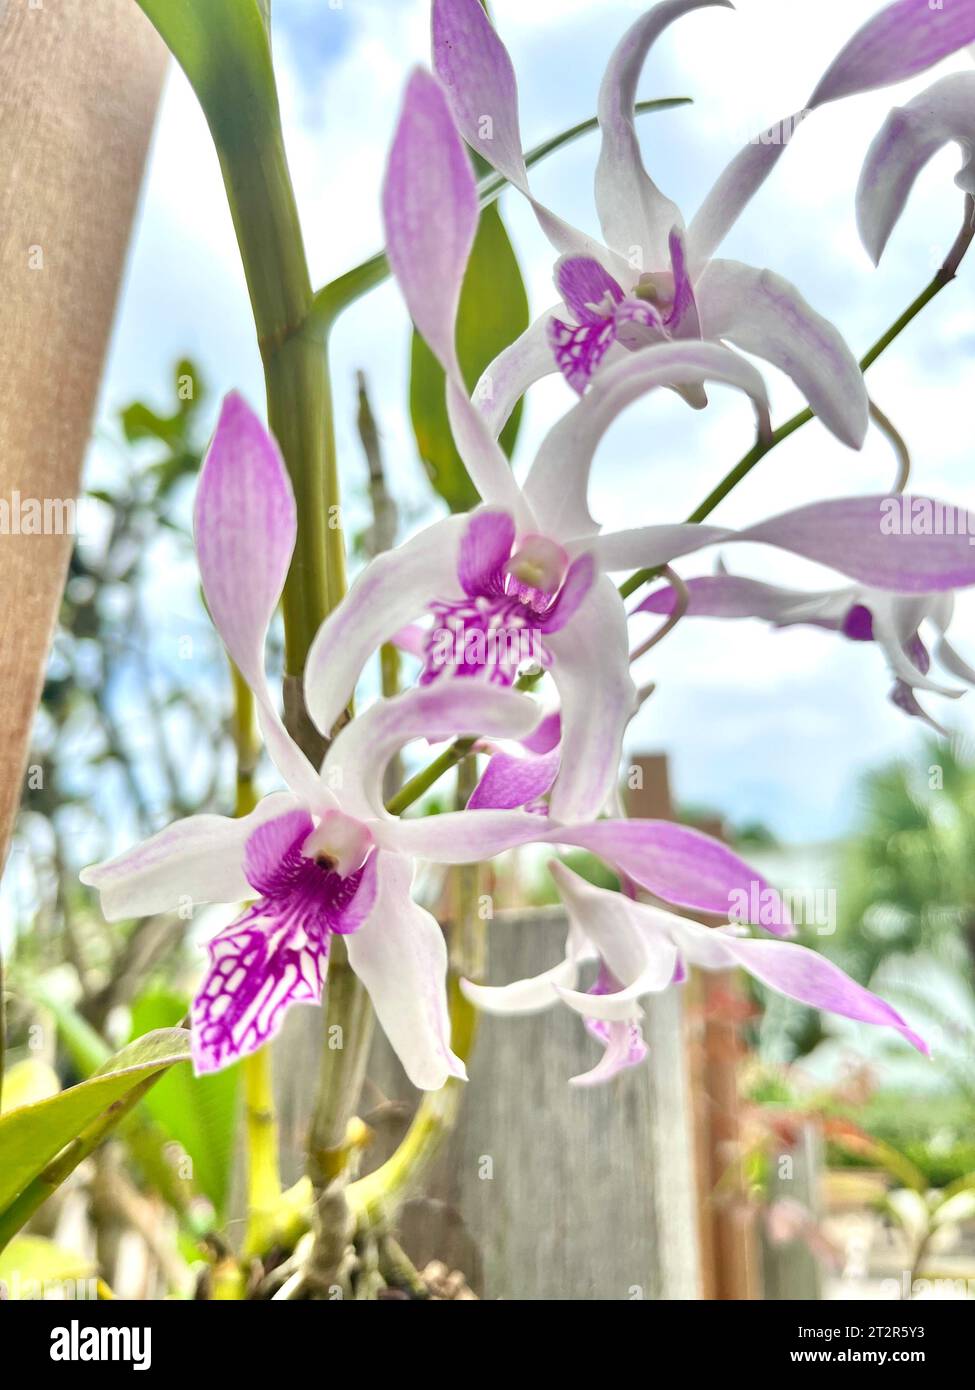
(198,1112)
(224,48)
(32,1135)
(330,301)
(493,313)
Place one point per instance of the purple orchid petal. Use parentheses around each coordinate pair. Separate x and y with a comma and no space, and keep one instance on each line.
(255,975)
(794,971)
(430,211)
(393,589)
(635,216)
(357,759)
(904,699)
(624,1048)
(579,351)
(574,592)
(726,596)
(684,320)
(764,314)
(680,866)
(735,188)
(913,545)
(193,861)
(511,781)
(858,624)
(245,524)
(902,40)
(485,549)
(591,671)
(547,736)
(400,955)
(558,483)
(589,291)
(272,842)
(910,137)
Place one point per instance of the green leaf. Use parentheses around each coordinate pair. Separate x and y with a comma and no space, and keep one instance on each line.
(199,1112)
(30,1262)
(32,1135)
(493,312)
(338,294)
(224,48)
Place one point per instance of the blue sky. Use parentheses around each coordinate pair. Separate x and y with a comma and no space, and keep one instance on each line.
(777,725)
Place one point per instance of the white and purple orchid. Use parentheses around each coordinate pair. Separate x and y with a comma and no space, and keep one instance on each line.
(892,621)
(643,950)
(532,562)
(649,283)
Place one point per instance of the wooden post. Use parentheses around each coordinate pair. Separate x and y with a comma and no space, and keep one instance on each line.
(790,1269)
(79,85)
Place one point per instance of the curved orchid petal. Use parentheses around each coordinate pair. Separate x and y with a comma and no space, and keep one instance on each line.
(893,632)
(598,698)
(400,955)
(642,961)
(635,216)
(909,138)
(941,614)
(624,1048)
(511,781)
(764,314)
(533,995)
(558,484)
(727,596)
(650,546)
(913,545)
(794,971)
(392,590)
(485,549)
(679,865)
(245,524)
(902,40)
(192,861)
(505,381)
(357,759)
(477,73)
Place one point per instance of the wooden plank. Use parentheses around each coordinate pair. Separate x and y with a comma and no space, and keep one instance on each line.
(80,84)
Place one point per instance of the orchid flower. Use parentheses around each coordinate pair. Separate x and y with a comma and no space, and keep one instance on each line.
(892,621)
(642,950)
(646,285)
(532,561)
(910,137)
(322,857)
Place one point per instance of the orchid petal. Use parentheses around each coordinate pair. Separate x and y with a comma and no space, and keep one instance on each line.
(558,483)
(650,546)
(590,668)
(485,549)
(902,40)
(575,590)
(256,973)
(635,216)
(884,542)
(510,781)
(505,381)
(764,314)
(358,756)
(679,865)
(726,596)
(533,995)
(734,190)
(244,525)
(642,961)
(794,971)
(624,1048)
(909,138)
(393,589)
(400,955)
(192,861)
(890,636)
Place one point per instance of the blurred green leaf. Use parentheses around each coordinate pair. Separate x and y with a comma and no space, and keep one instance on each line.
(199,1112)
(31,1136)
(493,313)
(27,1082)
(31,1260)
